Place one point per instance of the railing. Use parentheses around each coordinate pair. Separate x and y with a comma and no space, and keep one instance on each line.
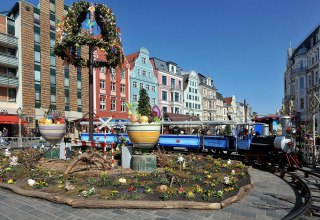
(7,60)
(9,81)
(13,142)
(307,153)
(9,41)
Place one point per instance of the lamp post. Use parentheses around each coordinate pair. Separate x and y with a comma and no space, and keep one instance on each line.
(19,112)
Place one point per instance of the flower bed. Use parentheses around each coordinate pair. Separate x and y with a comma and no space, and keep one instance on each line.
(189,178)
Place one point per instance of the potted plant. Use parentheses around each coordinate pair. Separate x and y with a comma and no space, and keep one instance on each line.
(52,126)
(144,134)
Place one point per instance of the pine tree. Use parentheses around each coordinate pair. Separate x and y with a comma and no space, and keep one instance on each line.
(144,107)
(227,130)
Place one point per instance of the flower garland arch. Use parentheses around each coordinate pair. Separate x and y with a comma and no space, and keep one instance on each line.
(70,35)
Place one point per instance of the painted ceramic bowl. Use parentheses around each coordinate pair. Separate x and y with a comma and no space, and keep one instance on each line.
(52,132)
(144,136)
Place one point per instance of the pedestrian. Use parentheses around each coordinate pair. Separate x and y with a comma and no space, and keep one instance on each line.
(5,132)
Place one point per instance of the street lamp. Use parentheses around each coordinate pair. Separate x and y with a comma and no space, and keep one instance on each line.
(19,112)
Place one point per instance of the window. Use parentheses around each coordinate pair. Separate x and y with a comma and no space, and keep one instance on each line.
(123,106)
(143,60)
(144,73)
(164,96)
(67,103)
(141,85)
(113,87)
(153,88)
(37,76)
(12,95)
(37,56)
(102,103)
(164,109)
(196,91)
(123,74)
(301,103)
(113,71)
(147,87)
(37,98)
(102,84)
(180,84)
(171,97)
(52,7)
(52,79)
(176,110)
(52,25)
(66,83)
(79,102)
(139,72)
(173,83)
(301,83)
(52,42)
(176,97)
(189,89)
(36,37)
(153,102)
(79,85)
(53,99)
(52,61)
(12,72)
(122,88)
(135,84)
(102,69)
(135,98)
(36,18)
(164,80)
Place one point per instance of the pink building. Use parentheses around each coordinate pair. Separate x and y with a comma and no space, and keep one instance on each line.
(170,86)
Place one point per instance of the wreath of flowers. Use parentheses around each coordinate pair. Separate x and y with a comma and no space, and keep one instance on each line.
(70,35)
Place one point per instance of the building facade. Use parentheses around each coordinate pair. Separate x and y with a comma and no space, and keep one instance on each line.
(209,97)
(220,113)
(142,76)
(170,86)
(111,89)
(301,79)
(192,96)
(230,106)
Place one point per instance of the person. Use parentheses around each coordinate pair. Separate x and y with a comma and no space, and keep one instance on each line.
(209,132)
(5,132)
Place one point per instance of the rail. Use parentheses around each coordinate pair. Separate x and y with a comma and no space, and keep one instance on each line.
(13,142)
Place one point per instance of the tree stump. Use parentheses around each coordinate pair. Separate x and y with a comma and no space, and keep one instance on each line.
(144,163)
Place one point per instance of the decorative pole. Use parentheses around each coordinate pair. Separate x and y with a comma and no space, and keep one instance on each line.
(90,93)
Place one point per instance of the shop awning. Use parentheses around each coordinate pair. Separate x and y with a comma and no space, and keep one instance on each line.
(11,119)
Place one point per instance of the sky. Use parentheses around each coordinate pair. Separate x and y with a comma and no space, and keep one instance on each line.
(241,44)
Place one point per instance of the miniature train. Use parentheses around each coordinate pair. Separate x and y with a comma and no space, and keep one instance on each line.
(258,145)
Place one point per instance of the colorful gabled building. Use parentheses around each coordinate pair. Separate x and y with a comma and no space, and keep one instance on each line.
(170,86)
(111,90)
(142,76)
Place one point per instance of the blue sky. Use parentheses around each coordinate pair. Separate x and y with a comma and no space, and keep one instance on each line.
(241,44)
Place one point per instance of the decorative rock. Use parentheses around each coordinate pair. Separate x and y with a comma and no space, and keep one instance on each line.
(163,188)
(69,186)
(144,163)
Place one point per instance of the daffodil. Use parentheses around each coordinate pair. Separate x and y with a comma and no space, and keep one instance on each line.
(10,181)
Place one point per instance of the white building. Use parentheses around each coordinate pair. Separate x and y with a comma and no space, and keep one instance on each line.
(192,95)
(301,79)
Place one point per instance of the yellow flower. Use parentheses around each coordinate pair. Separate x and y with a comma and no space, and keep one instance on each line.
(10,181)
(91,8)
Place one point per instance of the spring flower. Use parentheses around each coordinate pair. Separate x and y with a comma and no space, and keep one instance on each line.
(190,194)
(233,172)
(226,180)
(180,190)
(229,162)
(7,153)
(122,180)
(10,181)
(13,161)
(180,159)
(131,188)
(31,182)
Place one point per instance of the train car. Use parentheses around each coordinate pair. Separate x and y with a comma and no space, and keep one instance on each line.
(183,135)
(218,143)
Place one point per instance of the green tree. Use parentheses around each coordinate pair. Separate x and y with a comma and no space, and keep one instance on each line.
(227,130)
(144,107)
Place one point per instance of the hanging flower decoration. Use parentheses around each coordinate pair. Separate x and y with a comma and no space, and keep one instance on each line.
(70,35)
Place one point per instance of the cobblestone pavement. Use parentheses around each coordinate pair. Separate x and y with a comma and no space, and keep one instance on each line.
(271,198)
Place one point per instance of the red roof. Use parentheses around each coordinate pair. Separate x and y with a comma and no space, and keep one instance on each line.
(227,100)
(131,59)
(11,119)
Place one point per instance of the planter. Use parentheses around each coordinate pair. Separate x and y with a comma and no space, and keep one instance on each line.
(144,136)
(52,132)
